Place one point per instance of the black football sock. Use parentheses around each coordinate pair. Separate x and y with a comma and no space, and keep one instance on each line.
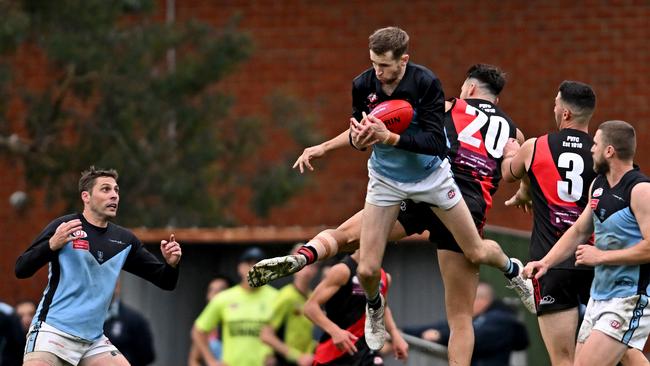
(512,271)
(375,302)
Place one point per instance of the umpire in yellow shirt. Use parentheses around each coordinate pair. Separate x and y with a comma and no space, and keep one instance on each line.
(241,312)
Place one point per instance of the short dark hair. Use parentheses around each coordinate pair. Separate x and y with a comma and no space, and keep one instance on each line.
(88,177)
(580,96)
(621,136)
(493,77)
(389,39)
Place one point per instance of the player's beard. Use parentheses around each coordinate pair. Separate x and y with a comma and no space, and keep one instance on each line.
(102,212)
(395,77)
(601,167)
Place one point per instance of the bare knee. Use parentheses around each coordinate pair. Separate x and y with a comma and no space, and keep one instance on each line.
(367,272)
(476,255)
(562,355)
(460,322)
(483,251)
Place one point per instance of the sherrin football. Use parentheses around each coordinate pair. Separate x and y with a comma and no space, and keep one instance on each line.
(396,114)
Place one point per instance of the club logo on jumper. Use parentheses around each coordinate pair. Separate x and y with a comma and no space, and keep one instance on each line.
(451,194)
(602,213)
(547,300)
(402,206)
(356,286)
(615,324)
(598,192)
(116,329)
(100,256)
(357,289)
(372,101)
(80,244)
(80,234)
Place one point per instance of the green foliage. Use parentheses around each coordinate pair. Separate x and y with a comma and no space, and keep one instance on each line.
(114,100)
(277,183)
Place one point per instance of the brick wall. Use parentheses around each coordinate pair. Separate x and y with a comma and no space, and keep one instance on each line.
(314,49)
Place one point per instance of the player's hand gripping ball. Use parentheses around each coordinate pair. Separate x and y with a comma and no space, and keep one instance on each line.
(396,114)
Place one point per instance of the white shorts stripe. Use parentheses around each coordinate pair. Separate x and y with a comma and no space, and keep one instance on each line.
(622,318)
(637,314)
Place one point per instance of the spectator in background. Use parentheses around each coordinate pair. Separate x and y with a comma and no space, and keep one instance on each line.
(342,319)
(12,337)
(497,330)
(25,310)
(240,311)
(216,285)
(129,331)
(289,332)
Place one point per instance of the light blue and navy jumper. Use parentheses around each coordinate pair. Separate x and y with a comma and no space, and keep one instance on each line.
(83,273)
(423,145)
(615,228)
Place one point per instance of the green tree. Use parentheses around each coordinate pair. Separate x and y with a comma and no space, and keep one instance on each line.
(128,92)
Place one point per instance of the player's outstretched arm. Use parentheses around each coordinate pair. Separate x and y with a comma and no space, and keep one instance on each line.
(318,151)
(577,234)
(522,199)
(143,263)
(336,277)
(637,254)
(516,160)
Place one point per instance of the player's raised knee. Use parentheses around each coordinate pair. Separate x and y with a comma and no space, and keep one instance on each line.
(476,255)
(365,271)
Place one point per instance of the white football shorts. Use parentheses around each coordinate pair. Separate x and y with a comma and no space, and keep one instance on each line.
(625,319)
(438,189)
